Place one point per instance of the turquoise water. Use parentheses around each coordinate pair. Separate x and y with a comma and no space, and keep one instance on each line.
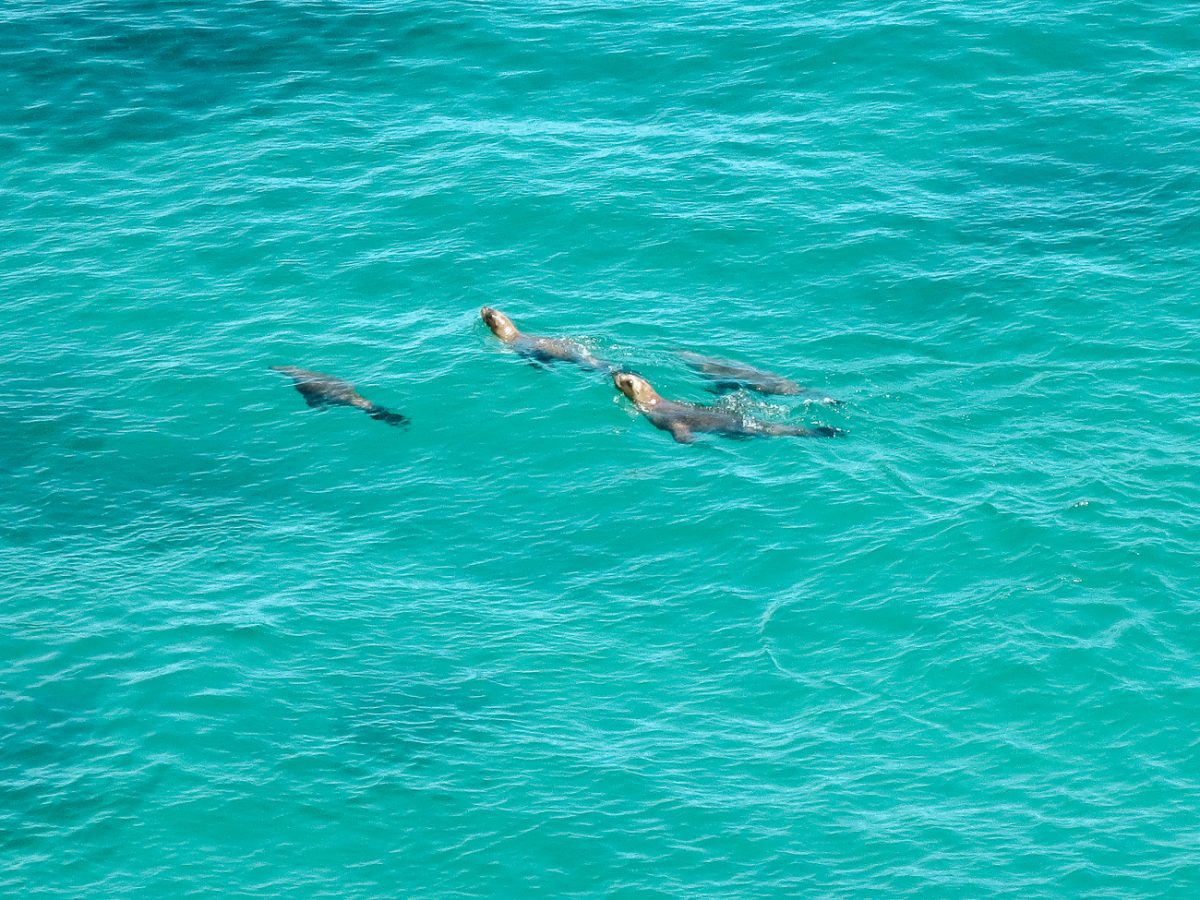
(529,644)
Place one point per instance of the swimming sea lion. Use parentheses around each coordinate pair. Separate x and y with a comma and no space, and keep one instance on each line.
(324,390)
(683,419)
(730,376)
(539,350)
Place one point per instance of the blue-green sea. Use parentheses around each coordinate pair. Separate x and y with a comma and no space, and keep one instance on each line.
(529,644)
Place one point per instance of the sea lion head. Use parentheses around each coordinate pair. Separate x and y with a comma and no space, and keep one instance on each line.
(501,325)
(636,388)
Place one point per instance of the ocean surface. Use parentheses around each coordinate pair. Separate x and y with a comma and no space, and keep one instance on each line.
(529,645)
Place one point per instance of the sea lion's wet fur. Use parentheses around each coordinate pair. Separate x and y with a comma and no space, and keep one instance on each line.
(319,390)
(683,420)
(727,376)
(540,349)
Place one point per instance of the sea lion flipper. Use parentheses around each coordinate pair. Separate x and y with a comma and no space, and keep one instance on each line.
(797,431)
(681,433)
(829,431)
(386,415)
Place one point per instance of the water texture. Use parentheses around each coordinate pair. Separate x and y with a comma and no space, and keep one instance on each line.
(530,645)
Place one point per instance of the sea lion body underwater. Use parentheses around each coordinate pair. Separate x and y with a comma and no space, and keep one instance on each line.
(540,350)
(319,390)
(727,376)
(684,419)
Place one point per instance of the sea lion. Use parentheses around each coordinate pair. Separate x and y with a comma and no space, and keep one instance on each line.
(320,390)
(730,376)
(684,419)
(540,350)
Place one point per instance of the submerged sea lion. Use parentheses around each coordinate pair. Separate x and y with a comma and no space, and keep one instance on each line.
(320,390)
(540,350)
(684,419)
(731,376)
